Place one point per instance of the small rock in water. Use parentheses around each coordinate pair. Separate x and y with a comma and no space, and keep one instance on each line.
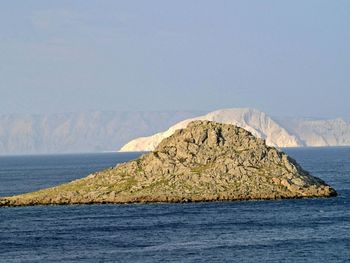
(207,161)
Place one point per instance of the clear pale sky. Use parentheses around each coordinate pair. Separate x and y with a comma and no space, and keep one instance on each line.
(288,58)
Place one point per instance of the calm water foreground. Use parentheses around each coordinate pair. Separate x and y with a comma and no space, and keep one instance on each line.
(309,230)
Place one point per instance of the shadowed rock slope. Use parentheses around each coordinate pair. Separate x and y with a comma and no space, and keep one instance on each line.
(207,161)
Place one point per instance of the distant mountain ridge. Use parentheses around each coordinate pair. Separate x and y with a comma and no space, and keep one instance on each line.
(94,131)
(311,132)
(99,131)
(282,132)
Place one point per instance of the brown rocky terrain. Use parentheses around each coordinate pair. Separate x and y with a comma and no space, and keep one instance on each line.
(207,161)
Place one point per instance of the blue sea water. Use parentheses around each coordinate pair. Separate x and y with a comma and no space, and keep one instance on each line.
(307,230)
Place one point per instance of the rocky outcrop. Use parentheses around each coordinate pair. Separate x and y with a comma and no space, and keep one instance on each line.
(257,122)
(207,161)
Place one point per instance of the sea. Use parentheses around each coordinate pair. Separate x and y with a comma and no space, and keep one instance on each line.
(301,230)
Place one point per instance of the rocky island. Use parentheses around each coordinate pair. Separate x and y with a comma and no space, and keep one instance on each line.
(206,161)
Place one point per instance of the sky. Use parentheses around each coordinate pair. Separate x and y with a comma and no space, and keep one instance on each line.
(287,58)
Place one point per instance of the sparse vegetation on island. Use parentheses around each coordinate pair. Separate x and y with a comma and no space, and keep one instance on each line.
(207,161)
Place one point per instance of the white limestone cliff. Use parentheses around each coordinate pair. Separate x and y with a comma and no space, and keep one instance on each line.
(257,122)
(319,133)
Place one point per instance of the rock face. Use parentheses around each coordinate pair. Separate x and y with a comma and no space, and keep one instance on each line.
(207,161)
(333,132)
(277,131)
(257,122)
